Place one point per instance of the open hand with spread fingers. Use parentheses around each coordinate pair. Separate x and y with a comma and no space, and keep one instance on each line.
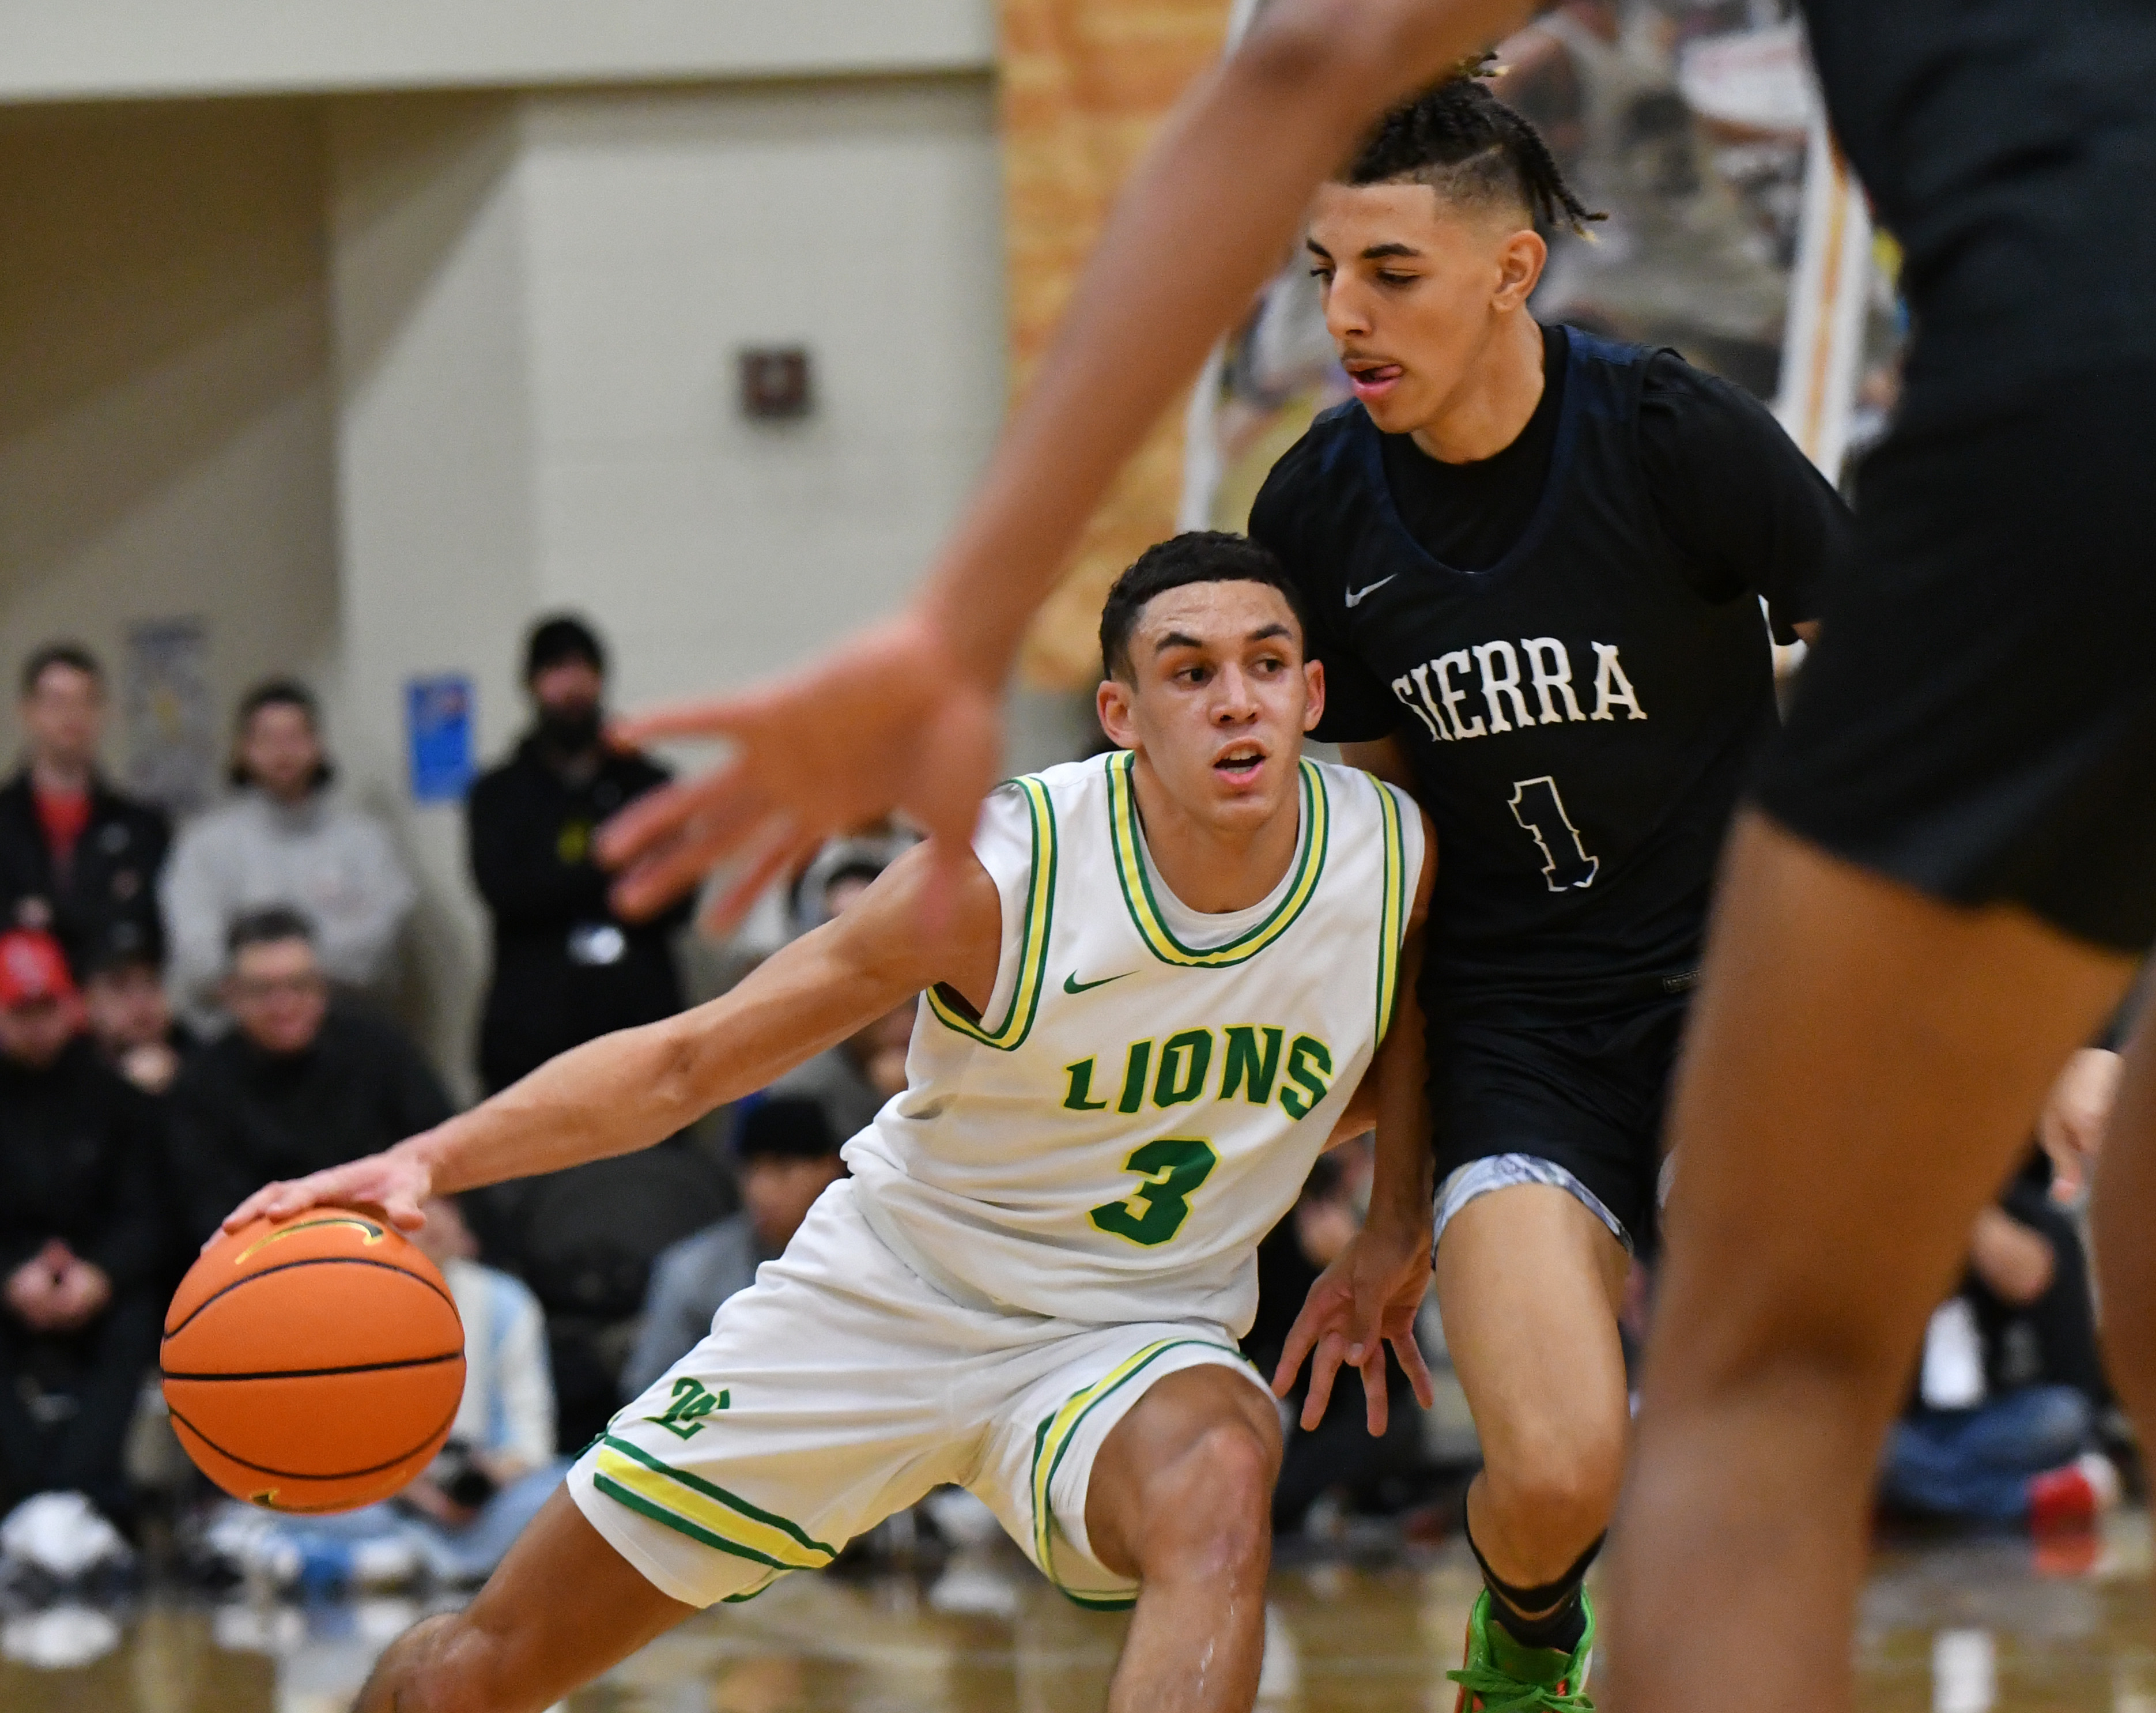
(1365,1300)
(895,719)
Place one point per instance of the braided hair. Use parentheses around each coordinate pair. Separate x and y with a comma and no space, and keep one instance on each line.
(1468,145)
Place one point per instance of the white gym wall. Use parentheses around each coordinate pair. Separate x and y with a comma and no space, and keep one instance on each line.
(394,369)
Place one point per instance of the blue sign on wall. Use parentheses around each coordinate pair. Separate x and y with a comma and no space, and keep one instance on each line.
(437,724)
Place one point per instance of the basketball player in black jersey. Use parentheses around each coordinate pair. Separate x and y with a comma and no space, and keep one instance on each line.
(1534,562)
(1949,870)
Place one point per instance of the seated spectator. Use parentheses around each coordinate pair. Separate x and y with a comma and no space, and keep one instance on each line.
(83,1242)
(284,839)
(298,1083)
(455,1522)
(789,1155)
(129,1012)
(802,900)
(2002,1430)
(851,1081)
(75,856)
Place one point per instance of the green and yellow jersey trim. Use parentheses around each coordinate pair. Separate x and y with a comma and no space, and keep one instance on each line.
(1137,884)
(705,1512)
(1393,918)
(1008,1035)
(1052,1441)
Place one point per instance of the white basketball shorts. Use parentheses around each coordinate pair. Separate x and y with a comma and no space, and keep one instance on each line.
(843,1387)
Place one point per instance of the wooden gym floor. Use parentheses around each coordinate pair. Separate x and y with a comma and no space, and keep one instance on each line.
(1959,1627)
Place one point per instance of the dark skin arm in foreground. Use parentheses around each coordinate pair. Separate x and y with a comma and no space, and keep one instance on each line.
(905,715)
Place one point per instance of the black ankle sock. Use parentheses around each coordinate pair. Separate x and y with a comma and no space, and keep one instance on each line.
(1563,1620)
(1561,1630)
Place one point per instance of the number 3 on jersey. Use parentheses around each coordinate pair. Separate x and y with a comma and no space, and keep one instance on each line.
(1173,1167)
(1566,865)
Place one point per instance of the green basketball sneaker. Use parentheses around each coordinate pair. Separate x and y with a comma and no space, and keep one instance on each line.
(1502,1676)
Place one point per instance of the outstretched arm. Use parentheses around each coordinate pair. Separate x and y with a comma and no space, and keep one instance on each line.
(628,1090)
(906,714)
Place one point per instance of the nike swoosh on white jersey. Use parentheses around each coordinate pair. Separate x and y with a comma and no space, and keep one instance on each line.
(1356,596)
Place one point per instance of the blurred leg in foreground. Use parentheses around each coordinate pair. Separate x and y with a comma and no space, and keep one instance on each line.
(1864,1065)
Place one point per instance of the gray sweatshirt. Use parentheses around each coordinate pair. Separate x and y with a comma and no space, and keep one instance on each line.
(334,864)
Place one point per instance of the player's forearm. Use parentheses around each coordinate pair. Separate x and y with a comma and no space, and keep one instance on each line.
(611,1096)
(629,1090)
(1401,1185)
(1386,758)
(1207,218)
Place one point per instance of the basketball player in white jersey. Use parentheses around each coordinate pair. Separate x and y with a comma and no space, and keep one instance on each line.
(1167,972)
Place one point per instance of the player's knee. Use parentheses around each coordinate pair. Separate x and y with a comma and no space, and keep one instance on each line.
(1208,1512)
(1561,1486)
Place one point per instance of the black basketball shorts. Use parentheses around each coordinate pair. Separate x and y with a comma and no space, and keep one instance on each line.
(1577,1104)
(1978,721)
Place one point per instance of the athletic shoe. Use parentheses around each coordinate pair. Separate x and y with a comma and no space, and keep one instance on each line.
(63,1536)
(2074,1497)
(248,1543)
(1502,1676)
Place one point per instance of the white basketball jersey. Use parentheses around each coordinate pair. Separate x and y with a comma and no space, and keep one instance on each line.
(1148,1087)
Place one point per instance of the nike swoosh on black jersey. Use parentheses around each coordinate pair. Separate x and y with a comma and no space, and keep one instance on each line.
(1356,596)
(1072,984)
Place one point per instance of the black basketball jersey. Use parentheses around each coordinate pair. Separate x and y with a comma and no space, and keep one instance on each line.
(1581,717)
(2010,145)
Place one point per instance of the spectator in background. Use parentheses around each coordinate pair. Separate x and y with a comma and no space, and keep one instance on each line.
(298,1084)
(2002,1431)
(851,1081)
(75,856)
(128,1010)
(455,1522)
(83,1242)
(566,968)
(788,1156)
(283,839)
(797,902)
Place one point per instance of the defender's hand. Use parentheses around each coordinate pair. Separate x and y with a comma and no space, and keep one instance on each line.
(895,719)
(1365,1300)
(397,1181)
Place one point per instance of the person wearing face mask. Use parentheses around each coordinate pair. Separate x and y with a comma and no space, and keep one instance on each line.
(283,839)
(565,967)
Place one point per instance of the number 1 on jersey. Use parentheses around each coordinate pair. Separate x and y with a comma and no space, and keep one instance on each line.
(1173,1167)
(1566,865)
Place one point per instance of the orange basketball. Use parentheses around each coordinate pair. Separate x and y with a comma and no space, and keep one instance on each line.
(315,1363)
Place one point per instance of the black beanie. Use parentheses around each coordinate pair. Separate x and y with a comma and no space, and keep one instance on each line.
(785,1127)
(558,638)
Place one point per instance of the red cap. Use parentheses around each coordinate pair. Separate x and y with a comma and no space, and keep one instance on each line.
(32,967)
